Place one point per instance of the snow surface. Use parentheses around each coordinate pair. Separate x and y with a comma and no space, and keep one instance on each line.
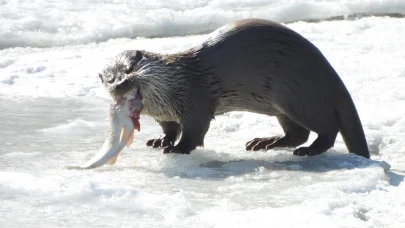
(54,113)
(45,23)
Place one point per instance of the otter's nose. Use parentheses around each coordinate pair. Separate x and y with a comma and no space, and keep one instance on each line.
(123,86)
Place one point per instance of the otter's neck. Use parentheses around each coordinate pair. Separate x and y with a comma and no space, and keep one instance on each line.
(164,87)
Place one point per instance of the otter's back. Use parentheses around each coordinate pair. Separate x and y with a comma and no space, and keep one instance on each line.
(258,61)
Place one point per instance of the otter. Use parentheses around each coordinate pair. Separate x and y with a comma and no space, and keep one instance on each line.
(251,65)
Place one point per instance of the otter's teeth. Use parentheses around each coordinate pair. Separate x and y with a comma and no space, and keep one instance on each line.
(123,133)
(126,136)
(113,160)
(130,139)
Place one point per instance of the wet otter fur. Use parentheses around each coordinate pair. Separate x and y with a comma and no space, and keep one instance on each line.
(249,65)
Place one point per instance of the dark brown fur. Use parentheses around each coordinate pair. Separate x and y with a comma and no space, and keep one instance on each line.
(250,65)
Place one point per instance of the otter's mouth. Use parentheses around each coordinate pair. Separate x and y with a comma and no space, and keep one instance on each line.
(124,119)
(135,105)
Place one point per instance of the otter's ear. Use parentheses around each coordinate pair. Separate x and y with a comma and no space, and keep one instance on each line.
(138,56)
(134,61)
(101,77)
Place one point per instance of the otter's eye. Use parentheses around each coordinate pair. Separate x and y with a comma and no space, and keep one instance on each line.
(129,70)
(110,78)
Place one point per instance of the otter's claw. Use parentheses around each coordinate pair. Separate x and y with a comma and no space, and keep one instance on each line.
(155,143)
(163,141)
(172,150)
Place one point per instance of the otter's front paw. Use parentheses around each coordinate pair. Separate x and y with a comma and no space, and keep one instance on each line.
(162,141)
(174,150)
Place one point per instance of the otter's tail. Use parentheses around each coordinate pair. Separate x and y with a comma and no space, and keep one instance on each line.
(350,125)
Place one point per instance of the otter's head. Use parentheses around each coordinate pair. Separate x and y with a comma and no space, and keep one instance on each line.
(120,77)
(147,76)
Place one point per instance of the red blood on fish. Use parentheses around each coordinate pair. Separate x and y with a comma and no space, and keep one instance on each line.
(134,103)
(136,123)
(135,119)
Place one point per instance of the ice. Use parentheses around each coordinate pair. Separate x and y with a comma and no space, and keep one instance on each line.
(77,126)
(54,112)
(45,23)
(217,186)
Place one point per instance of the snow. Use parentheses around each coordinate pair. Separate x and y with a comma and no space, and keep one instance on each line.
(54,112)
(45,23)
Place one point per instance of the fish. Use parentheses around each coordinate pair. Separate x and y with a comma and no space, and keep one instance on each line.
(123,120)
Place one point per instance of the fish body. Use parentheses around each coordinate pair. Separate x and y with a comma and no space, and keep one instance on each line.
(124,119)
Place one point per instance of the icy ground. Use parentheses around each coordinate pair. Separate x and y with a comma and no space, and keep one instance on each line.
(54,113)
(48,23)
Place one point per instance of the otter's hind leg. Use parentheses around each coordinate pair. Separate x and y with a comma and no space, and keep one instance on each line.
(295,135)
(171,131)
(323,143)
